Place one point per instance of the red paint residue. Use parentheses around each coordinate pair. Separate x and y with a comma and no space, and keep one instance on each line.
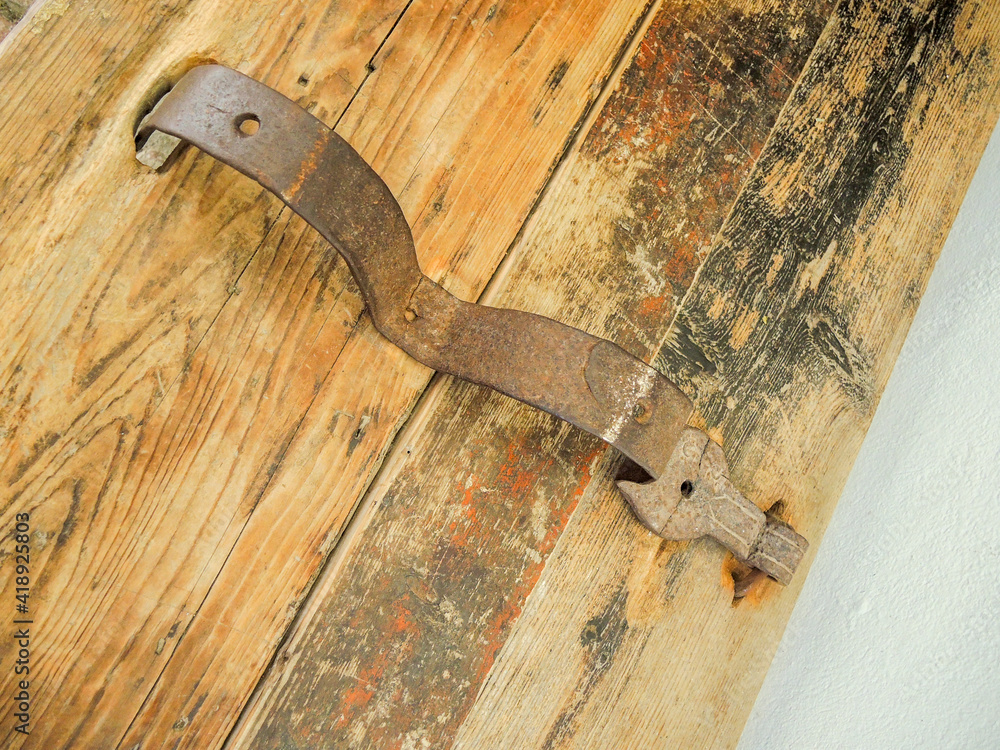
(652,305)
(494,633)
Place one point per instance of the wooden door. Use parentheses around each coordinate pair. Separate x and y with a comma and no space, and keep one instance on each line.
(250,519)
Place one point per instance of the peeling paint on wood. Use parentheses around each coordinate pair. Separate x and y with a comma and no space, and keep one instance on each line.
(873,153)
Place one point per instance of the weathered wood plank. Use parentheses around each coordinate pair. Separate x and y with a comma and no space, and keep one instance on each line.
(224,433)
(401,633)
(786,339)
(108,285)
(131,270)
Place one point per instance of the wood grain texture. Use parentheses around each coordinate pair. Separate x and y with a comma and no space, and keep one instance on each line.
(192,401)
(111,278)
(211,431)
(786,339)
(401,634)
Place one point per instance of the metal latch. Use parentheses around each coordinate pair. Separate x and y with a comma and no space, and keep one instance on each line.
(590,382)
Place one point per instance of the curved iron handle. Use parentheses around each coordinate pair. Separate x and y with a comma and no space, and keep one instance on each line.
(590,382)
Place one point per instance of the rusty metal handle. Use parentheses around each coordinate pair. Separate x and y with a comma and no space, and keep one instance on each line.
(589,382)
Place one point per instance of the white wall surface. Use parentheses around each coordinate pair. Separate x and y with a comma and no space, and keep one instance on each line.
(895,639)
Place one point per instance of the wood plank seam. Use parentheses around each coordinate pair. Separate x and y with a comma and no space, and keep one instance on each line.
(370,66)
(576,136)
(263,489)
(283,214)
(668,331)
(161,390)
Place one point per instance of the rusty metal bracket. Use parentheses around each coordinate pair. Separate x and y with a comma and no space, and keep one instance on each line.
(590,382)
(695,497)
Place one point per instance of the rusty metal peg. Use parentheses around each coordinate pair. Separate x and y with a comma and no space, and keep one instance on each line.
(694,497)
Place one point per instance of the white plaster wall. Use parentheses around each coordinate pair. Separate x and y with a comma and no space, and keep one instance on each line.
(895,639)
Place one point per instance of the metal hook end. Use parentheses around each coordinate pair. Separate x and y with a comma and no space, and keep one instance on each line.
(694,497)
